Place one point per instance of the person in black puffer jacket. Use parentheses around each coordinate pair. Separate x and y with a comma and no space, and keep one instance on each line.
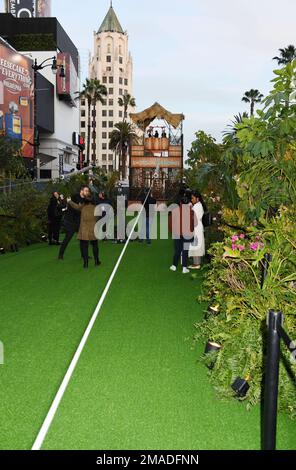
(54,213)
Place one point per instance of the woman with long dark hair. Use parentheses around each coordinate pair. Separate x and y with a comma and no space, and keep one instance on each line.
(198,248)
(54,213)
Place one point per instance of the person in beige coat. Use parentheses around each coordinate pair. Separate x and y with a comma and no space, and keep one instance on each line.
(86,232)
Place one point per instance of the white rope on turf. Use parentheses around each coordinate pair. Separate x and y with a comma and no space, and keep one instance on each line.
(63,387)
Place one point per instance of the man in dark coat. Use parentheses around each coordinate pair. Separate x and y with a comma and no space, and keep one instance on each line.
(72,219)
(54,213)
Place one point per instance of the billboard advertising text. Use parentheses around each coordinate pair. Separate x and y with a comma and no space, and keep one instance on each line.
(17,98)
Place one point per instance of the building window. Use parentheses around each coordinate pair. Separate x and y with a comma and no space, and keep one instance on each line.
(82,102)
(111,102)
(104,146)
(110,123)
(120,81)
(104,167)
(120,60)
(111,91)
(109,69)
(110,112)
(83,113)
(110,157)
(110,167)
(109,48)
(108,59)
(104,102)
(111,80)
(121,69)
(104,79)
(120,91)
(120,114)
(104,113)
(82,123)
(126,82)
(104,124)
(104,135)
(104,157)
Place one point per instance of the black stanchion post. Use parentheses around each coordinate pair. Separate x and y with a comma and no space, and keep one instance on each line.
(275,319)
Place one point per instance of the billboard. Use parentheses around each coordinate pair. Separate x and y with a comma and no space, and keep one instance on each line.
(29,8)
(17,98)
(43,8)
(67,86)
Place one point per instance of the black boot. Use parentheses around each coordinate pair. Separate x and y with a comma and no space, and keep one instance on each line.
(85,263)
(97,262)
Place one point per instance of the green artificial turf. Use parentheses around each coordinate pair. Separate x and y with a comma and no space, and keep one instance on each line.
(138,384)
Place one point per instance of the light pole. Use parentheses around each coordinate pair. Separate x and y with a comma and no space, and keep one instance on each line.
(36,67)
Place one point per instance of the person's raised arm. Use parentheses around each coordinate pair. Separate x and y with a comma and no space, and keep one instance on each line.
(77,207)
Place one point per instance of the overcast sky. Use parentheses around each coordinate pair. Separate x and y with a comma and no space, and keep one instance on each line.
(193,56)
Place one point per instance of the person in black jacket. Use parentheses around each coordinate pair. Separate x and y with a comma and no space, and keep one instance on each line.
(54,213)
(72,219)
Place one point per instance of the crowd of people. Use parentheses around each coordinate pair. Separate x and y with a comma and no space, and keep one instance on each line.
(77,215)
(156,134)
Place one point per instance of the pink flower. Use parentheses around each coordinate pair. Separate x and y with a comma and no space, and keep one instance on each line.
(234,247)
(241,247)
(235,239)
(254,246)
(242,236)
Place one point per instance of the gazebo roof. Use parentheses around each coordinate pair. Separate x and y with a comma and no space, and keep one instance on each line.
(156,111)
(111,23)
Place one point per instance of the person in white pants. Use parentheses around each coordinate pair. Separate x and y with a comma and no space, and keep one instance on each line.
(198,248)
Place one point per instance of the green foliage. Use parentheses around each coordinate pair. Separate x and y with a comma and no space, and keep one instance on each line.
(211,172)
(234,284)
(261,153)
(23,211)
(34,42)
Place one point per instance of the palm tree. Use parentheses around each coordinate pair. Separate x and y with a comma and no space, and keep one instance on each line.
(126,102)
(98,96)
(287,55)
(252,97)
(92,91)
(231,130)
(120,140)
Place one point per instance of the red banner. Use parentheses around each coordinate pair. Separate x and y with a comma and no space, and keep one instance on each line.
(66,86)
(17,98)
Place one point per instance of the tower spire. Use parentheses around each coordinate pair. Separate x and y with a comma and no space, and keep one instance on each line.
(111,22)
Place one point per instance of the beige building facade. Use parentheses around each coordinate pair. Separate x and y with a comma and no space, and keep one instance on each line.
(112,64)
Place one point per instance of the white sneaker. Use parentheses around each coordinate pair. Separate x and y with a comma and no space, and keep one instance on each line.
(173,268)
(186,271)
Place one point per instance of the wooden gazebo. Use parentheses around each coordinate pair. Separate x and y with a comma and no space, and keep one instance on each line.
(159,151)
